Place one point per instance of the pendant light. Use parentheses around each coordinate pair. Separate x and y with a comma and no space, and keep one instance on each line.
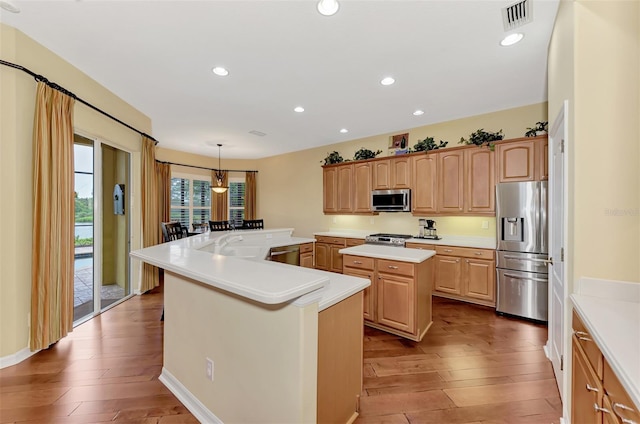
(219,188)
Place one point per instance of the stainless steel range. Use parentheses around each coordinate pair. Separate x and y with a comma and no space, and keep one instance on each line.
(397,240)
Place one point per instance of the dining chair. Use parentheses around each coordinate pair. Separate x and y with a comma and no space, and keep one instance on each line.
(200,227)
(253,224)
(220,226)
(173,231)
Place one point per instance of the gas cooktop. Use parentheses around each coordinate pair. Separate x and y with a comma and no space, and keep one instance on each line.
(388,239)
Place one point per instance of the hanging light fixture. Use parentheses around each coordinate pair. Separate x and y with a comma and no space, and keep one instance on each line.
(219,188)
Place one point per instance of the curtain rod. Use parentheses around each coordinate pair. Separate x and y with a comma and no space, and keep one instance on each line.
(202,167)
(55,86)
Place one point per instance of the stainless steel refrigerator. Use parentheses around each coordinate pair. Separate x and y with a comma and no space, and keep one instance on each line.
(521,266)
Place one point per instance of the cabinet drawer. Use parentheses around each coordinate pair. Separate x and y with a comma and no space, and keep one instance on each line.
(331,240)
(354,242)
(465,252)
(358,262)
(420,246)
(306,248)
(395,267)
(621,404)
(587,343)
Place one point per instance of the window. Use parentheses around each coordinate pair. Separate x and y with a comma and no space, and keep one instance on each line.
(190,199)
(236,201)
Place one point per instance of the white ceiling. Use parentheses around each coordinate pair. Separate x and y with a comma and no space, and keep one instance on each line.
(158,56)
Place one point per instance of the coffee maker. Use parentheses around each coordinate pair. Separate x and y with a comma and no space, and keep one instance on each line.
(428,229)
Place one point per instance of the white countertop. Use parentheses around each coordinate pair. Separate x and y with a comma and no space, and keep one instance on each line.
(389,252)
(267,282)
(611,312)
(445,240)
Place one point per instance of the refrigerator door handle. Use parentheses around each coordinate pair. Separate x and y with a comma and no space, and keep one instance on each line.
(516,258)
(517,277)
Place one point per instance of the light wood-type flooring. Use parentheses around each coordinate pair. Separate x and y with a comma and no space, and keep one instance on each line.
(472,367)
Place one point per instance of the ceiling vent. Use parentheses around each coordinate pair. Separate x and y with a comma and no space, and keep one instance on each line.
(516,15)
(258,133)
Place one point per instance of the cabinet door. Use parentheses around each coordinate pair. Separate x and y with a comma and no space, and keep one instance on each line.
(424,178)
(345,188)
(306,260)
(401,172)
(480,279)
(396,302)
(322,256)
(516,161)
(329,190)
(542,159)
(362,187)
(381,174)
(451,181)
(480,180)
(336,258)
(369,300)
(447,274)
(585,391)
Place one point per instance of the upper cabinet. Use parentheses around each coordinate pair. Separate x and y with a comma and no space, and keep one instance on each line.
(522,160)
(424,182)
(330,189)
(479,180)
(451,181)
(392,173)
(347,188)
(362,187)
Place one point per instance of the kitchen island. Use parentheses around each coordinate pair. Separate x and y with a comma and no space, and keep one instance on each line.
(248,340)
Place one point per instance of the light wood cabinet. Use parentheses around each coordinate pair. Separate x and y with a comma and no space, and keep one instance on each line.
(465,274)
(328,256)
(399,299)
(306,255)
(424,180)
(330,190)
(516,161)
(542,157)
(596,393)
(451,181)
(392,173)
(479,181)
(362,187)
(345,189)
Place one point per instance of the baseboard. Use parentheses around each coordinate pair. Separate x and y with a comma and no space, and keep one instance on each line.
(194,406)
(546,350)
(16,358)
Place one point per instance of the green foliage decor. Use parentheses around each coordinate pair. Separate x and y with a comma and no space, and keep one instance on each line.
(363,154)
(428,144)
(333,157)
(482,138)
(539,127)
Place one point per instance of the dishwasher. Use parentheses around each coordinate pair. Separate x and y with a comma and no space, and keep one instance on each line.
(285,254)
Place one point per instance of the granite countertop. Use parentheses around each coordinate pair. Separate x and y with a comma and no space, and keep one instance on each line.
(389,252)
(611,312)
(246,274)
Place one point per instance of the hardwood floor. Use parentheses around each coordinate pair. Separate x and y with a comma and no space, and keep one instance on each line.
(471,367)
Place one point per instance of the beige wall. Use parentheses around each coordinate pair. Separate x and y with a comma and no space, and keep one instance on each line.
(17,109)
(265,363)
(290,188)
(594,62)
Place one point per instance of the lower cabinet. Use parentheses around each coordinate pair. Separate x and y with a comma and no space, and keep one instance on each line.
(306,255)
(466,274)
(328,256)
(596,393)
(399,298)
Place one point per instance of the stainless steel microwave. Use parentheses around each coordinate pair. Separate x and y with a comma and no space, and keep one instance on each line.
(391,200)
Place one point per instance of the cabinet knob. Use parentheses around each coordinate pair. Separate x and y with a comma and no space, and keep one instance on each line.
(623,407)
(467,261)
(581,335)
(392,267)
(448,250)
(600,409)
(591,389)
(357,262)
(457,260)
(477,253)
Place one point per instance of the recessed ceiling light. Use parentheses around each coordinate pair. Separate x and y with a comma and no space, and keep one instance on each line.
(511,39)
(344,131)
(299,109)
(418,112)
(328,7)
(220,71)
(387,81)
(9,7)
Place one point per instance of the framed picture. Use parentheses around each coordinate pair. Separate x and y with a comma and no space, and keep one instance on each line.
(397,143)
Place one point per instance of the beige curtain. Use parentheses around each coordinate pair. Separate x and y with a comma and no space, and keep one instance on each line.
(251,203)
(219,203)
(150,215)
(53,218)
(164,192)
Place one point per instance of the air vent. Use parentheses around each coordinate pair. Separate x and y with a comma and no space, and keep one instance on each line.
(516,15)
(258,133)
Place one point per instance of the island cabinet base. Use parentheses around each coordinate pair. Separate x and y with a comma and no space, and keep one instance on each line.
(340,353)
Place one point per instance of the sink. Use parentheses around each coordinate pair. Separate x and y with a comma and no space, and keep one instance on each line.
(243,251)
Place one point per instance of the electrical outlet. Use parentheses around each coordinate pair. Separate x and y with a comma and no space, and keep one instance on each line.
(372,221)
(334,220)
(210,369)
(485,225)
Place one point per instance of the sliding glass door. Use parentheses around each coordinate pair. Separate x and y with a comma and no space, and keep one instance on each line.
(102,233)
